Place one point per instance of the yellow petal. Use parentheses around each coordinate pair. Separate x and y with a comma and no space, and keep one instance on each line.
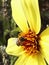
(31,9)
(18,15)
(32,60)
(13,49)
(45,49)
(21,60)
(45,34)
(41,60)
(36,60)
(26,60)
(44,43)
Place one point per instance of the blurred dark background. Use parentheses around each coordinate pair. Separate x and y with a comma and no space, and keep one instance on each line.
(8,27)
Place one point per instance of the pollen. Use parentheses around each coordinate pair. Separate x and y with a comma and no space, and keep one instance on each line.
(30,42)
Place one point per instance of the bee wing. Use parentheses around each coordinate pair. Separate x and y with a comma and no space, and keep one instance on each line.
(17,41)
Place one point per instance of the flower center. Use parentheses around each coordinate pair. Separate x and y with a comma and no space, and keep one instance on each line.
(29,42)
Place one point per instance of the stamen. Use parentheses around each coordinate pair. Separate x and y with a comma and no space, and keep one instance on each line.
(29,42)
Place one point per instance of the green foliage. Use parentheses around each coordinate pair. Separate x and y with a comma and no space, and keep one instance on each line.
(15,32)
(13,60)
(0,2)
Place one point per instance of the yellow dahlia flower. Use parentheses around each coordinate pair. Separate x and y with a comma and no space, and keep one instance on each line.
(31,46)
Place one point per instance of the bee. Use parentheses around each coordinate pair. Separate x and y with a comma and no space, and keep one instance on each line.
(20,41)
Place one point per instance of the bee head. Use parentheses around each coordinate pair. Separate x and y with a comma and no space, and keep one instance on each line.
(20,40)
